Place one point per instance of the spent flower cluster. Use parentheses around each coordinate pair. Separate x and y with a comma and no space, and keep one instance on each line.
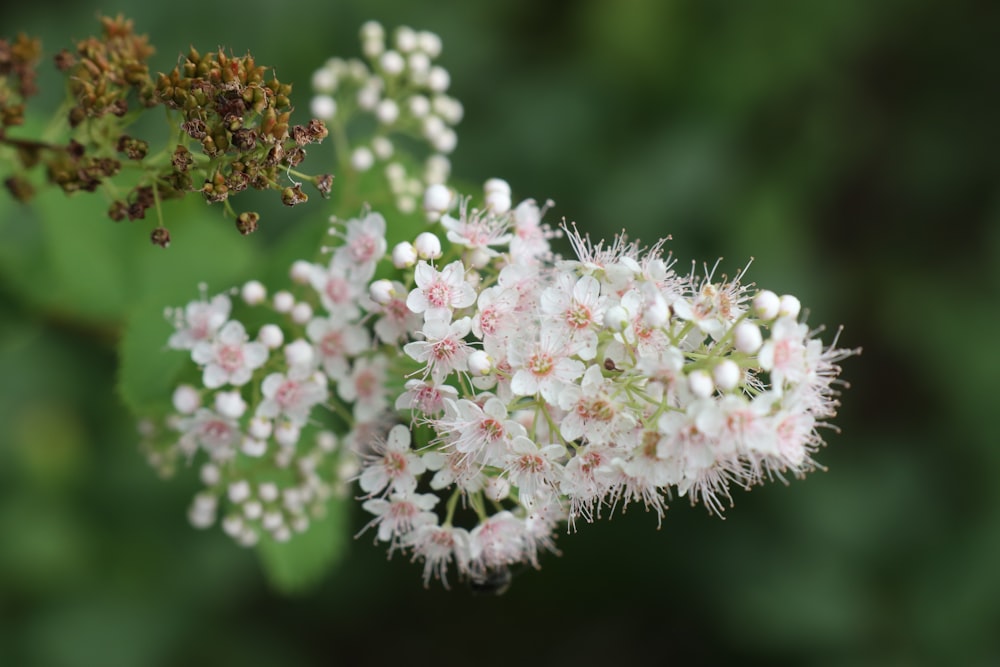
(230,110)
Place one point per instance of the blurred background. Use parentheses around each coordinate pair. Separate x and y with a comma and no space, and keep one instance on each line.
(849,147)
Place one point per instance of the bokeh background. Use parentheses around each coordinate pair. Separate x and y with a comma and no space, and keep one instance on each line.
(849,147)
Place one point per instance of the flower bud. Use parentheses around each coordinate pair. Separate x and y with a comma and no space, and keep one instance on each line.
(186,399)
(727,375)
(747,337)
(230,404)
(299,353)
(253,293)
(700,383)
(392,63)
(616,319)
(766,305)
(260,428)
(239,491)
(498,202)
(271,335)
(362,159)
(789,306)
(381,291)
(287,434)
(387,111)
(284,301)
(300,272)
(404,255)
(301,313)
(428,246)
(480,363)
(496,185)
(437,198)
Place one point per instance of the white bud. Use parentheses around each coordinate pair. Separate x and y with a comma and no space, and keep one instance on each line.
(496,185)
(392,63)
(700,383)
(253,447)
(260,428)
(210,474)
(186,399)
(432,127)
(230,404)
(300,271)
(766,305)
(324,81)
(232,525)
(372,30)
(252,510)
(616,319)
(747,337)
(480,363)
(445,141)
(395,173)
(727,375)
(272,521)
(387,111)
(381,291)
(299,353)
(271,335)
(287,434)
(789,306)
(368,97)
(437,198)
(428,245)
(268,491)
(419,64)
(323,107)
(406,204)
(282,534)
(429,43)
(498,202)
(301,313)
(438,79)
(283,301)
(420,106)
(239,491)
(437,168)
(326,441)
(248,537)
(362,159)
(382,147)
(406,39)
(253,293)
(404,255)
(477,258)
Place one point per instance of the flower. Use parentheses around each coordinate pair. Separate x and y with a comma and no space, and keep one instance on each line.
(229,358)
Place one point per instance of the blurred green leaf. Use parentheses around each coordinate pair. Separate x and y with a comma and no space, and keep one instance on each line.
(302,562)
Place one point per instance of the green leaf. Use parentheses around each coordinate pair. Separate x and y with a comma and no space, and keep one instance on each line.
(302,562)
(210,251)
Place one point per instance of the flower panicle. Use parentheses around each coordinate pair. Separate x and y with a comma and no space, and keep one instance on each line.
(483,403)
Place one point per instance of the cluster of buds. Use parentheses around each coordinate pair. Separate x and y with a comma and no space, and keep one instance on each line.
(237,116)
(486,392)
(399,86)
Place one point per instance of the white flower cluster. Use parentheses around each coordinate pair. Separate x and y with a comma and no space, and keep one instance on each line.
(523,389)
(406,92)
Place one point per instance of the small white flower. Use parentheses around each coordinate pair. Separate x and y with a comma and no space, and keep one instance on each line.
(229,358)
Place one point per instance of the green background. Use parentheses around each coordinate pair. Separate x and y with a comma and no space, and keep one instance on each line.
(849,147)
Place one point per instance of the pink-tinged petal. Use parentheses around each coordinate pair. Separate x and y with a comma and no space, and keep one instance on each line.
(215,376)
(523,383)
(255,354)
(233,333)
(373,479)
(202,353)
